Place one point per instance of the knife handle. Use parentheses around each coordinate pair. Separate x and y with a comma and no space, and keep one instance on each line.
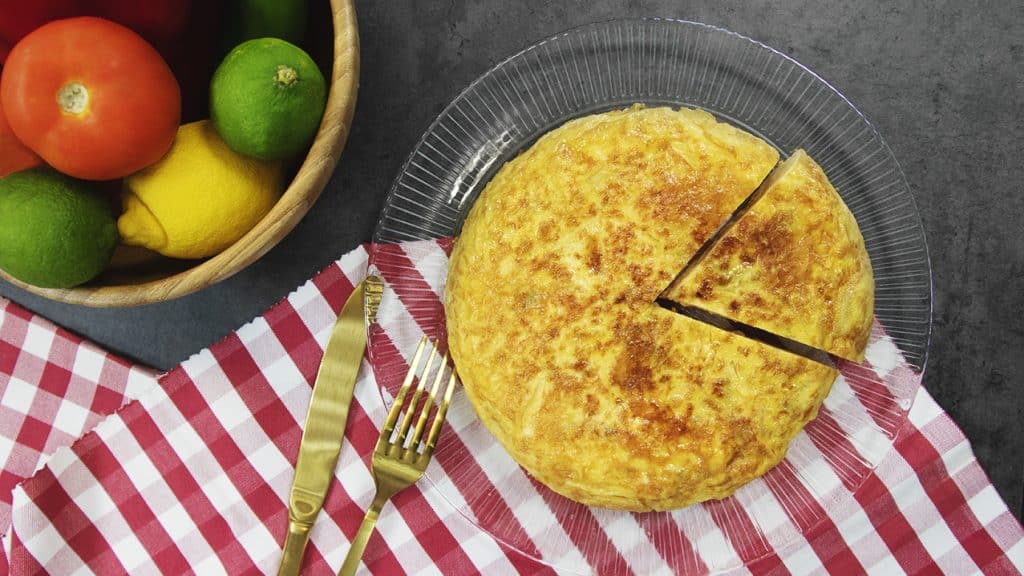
(294,547)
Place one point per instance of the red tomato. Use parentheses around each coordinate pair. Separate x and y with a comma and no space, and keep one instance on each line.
(14,156)
(91,97)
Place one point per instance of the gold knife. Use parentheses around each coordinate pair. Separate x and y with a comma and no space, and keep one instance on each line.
(325,421)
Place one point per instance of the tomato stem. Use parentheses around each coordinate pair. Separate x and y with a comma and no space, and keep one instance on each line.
(73,98)
(286,76)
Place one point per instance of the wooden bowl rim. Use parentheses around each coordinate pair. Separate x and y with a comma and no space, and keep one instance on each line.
(301,194)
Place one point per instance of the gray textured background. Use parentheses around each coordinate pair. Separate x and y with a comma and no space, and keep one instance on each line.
(941,81)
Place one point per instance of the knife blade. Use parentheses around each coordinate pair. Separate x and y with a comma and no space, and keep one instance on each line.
(326,419)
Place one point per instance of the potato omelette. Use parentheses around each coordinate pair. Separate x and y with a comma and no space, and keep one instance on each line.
(794,265)
(599,393)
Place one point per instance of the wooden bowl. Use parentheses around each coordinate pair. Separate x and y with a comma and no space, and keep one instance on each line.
(137,276)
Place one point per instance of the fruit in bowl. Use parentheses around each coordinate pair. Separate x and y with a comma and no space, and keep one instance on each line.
(199,201)
(14,155)
(55,231)
(117,104)
(266,99)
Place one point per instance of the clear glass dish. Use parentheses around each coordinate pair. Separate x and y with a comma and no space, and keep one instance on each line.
(612,65)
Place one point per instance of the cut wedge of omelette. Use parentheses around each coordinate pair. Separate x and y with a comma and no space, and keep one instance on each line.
(794,265)
(593,388)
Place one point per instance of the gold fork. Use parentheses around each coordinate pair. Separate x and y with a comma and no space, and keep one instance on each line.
(399,463)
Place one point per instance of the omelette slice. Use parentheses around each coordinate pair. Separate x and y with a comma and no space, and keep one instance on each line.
(793,265)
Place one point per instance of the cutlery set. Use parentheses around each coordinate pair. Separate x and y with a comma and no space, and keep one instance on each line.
(406,444)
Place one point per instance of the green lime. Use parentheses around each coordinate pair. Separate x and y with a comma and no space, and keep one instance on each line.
(55,231)
(266,99)
(248,19)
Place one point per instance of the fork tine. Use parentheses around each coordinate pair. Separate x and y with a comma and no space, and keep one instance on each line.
(389,424)
(442,411)
(407,421)
(428,404)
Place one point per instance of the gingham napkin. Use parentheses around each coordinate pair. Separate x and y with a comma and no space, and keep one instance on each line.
(194,478)
(54,387)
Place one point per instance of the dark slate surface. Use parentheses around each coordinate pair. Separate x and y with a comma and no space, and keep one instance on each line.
(941,81)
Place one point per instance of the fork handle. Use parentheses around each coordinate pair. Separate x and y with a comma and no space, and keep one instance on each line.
(355,553)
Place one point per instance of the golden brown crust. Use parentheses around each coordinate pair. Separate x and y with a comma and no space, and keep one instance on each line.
(794,265)
(596,391)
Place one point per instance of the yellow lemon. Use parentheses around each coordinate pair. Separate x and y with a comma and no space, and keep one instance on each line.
(199,199)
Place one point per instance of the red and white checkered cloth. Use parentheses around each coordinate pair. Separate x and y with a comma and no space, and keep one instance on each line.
(54,387)
(194,478)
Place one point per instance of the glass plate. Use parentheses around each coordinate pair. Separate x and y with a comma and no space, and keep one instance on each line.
(611,65)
